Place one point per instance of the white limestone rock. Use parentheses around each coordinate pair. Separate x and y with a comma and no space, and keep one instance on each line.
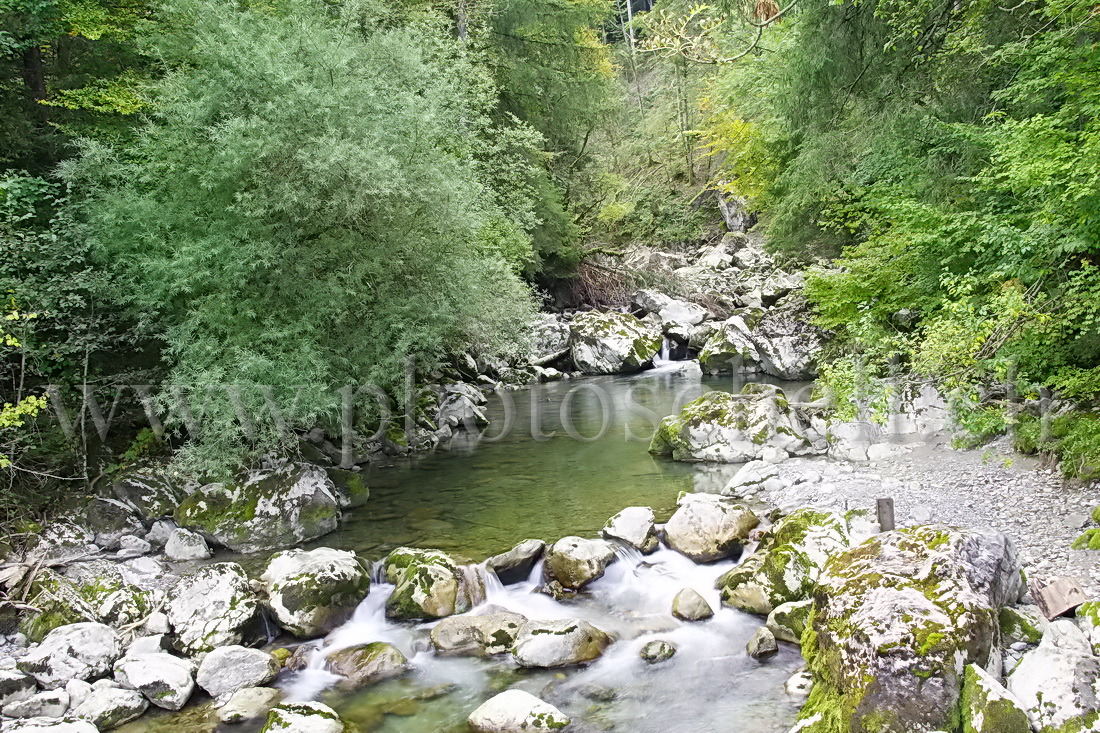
(516,711)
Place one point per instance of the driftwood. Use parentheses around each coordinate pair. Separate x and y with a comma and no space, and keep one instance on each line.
(1058,597)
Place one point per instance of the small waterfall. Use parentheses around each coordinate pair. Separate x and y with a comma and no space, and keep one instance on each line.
(665,354)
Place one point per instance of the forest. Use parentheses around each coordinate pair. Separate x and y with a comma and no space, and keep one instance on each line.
(296,195)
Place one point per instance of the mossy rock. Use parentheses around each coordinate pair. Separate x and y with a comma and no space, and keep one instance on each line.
(350,486)
(428,585)
(95,592)
(987,707)
(612,343)
(1020,625)
(310,593)
(1087,540)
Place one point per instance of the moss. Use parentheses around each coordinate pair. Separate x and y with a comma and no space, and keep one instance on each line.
(1017,626)
(219,507)
(1088,540)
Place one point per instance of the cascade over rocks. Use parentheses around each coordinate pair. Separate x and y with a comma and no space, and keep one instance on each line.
(896,620)
(211,607)
(633,526)
(312,592)
(266,510)
(515,566)
(708,527)
(612,343)
(574,562)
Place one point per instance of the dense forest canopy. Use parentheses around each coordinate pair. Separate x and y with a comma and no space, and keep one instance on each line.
(303,195)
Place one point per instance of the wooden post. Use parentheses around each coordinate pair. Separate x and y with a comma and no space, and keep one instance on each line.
(886,514)
(1059,597)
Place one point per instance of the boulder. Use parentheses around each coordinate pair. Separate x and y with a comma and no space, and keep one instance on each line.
(249,703)
(66,725)
(109,707)
(312,592)
(183,544)
(428,585)
(988,707)
(516,711)
(787,563)
(48,704)
(688,605)
(515,566)
(732,428)
(1024,624)
(83,651)
(491,632)
(859,441)
(111,520)
(549,338)
(731,348)
(303,717)
(265,510)
(211,607)
(459,411)
(366,664)
(896,620)
(59,601)
(633,526)
(574,562)
(558,643)
(160,532)
(669,310)
(1058,683)
(230,668)
(707,527)
(61,541)
(165,680)
(762,644)
(787,341)
(788,620)
(151,495)
(1088,618)
(655,652)
(15,686)
(612,343)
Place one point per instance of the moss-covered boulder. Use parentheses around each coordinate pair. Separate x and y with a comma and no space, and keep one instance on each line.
(151,494)
(351,488)
(612,343)
(366,664)
(708,527)
(303,717)
(731,348)
(312,592)
(559,643)
(1088,618)
(90,591)
(265,510)
(896,620)
(987,707)
(732,428)
(787,621)
(211,608)
(787,563)
(574,562)
(1058,683)
(1024,624)
(428,585)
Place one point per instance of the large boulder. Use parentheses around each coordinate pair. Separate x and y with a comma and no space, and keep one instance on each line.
(493,631)
(152,495)
(516,711)
(515,565)
(896,620)
(787,563)
(574,562)
(787,341)
(731,348)
(108,707)
(428,585)
(303,717)
(211,607)
(733,428)
(988,707)
(266,510)
(633,526)
(249,703)
(668,310)
(612,343)
(549,338)
(312,592)
(230,668)
(708,527)
(365,664)
(15,686)
(58,601)
(165,680)
(61,541)
(1058,683)
(84,651)
(558,643)
(184,545)
(111,520)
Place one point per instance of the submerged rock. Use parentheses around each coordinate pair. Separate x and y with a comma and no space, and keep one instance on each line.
(558,643)
(83,651)
(64,725)
(515,566)
(1058,683)
(266,510)
(211,607)
(491,632)
(312,592)
(655,652)
(708,527)
(516,711)
(633,526)
(303,717)
(612,343)
(428,585)
(688,605)
(367,664)
(574,562)
(733,428)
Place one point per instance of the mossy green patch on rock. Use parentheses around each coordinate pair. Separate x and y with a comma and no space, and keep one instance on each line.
(1087,540)
(988,707)
(1019,625)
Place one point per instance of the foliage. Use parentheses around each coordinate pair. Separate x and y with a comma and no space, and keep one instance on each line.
(1073,438)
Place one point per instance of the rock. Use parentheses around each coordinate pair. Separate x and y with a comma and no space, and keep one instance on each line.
(351,490)
(688,605)
(230,668)
(428,585)
(1022,624)
(366,664)
(152,644)
(183,544)
(303,717)
(15,686)
(151,495)
(549,338)
(78,691)
(1058,683)
(49,704)
(211,607)
(752,475)
(658,651)
(160,532)
(787,563)
(786,339)
(799,685)
(788,620)
(61,601)
(110,707)
(516,711)
(612,343)
(896,619)
(249,703)
(492,632)
(762,644)
(131,546)
(459,411)
(266,510)
(312,592)
(633,526)
(111,520)
(669,310)
(165,680)
(574,562)
(729,428)
(1088,619)
(988,707)
(81,651)
(707,527)
(558,643)
(730,348)
(62,541)
(515,566)
(852,441)
(67,725)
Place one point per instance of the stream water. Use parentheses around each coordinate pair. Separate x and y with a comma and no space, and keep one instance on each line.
(556,460)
